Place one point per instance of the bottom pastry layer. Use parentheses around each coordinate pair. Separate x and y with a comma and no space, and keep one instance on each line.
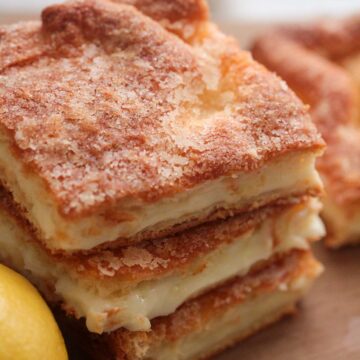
(213,321)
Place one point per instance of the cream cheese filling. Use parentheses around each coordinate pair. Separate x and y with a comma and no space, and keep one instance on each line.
(238,322)
(149,299)
(293,173)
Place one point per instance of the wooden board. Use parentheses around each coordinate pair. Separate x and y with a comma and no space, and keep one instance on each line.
(11,18)
(328,323)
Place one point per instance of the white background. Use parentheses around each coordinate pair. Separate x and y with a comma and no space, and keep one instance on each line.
(282,10)
(232,10)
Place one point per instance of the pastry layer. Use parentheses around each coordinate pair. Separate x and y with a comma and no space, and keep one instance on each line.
(116,131)
(209,323)
(129,287)
(185,18)
(340,169)
(321,64)
(343,224)
(293,174)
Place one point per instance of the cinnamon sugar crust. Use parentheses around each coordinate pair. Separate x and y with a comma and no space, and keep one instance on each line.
(320,63)
(324,85)
(98,106)
(332,38)
(184,18)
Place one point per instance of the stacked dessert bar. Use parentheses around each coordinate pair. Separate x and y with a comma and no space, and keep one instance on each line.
(158,184)
(321,63)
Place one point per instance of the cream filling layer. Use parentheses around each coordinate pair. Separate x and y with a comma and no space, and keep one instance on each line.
(293,173)
(160,297)
(238,322)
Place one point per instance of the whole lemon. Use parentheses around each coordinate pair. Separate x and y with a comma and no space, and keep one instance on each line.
(28,330)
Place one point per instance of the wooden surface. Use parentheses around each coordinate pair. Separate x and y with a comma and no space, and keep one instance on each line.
(11,18)
(328,323)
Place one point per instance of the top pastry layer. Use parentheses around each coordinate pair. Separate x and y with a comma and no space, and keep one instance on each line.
(100,104)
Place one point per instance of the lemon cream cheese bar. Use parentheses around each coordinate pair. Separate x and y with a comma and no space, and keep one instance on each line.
(321,63)
(158,185)
(129,286)
(118,127)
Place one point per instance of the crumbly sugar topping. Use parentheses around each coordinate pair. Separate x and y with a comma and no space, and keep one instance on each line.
(103,103)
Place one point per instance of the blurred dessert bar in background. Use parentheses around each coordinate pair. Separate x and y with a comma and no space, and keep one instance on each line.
(321,63)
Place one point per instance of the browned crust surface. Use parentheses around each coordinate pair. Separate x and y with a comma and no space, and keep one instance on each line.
(308,57)
(185,18)
(153,259)
(195,314)
(332,38)
(104,104)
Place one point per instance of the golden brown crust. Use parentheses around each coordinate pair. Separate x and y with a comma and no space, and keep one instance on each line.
(196,313)
(183,17)
(309,58)
(323,85)
(20,44)
(98,106)
(332,38)
(153,259)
